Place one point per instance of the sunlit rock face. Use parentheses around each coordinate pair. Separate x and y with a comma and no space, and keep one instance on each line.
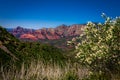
(28,36)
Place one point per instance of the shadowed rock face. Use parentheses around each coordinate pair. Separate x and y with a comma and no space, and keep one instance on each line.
(48,33)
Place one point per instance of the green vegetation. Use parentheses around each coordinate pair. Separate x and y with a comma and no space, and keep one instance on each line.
(35,61)
(60,43)
(100,49)
(97,56)
(28,51)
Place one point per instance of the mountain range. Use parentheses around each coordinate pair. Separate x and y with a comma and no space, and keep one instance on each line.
(59,32)
(57,37)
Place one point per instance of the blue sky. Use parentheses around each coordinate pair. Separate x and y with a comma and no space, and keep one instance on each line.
(51,13)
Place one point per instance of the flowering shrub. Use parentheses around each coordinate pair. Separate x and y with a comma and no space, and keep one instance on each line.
(99,48)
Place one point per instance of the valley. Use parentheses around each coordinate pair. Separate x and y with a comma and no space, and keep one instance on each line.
(54,36)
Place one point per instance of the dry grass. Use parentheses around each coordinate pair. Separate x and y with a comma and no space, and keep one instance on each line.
(40,71)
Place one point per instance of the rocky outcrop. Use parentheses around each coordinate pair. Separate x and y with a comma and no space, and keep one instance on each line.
(20,31)
(75,30)
(48,33)
(28,36)
(39,34)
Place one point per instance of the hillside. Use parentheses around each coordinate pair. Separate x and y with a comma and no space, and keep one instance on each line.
(12,49)
(8,44)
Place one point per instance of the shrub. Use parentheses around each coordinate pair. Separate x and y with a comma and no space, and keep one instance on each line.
(100,46)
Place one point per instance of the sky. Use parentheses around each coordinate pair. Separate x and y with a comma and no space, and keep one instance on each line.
(38,14)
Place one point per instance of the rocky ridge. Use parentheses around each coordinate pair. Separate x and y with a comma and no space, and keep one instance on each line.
(59,32)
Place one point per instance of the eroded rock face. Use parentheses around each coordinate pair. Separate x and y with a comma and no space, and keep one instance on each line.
(39,34)
(28,36)
(20,31)
(75,30)
(48,33)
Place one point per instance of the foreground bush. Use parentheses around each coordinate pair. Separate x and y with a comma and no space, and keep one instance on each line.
(100,47)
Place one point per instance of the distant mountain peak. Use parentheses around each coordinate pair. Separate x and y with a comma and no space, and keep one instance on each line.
(19,27)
